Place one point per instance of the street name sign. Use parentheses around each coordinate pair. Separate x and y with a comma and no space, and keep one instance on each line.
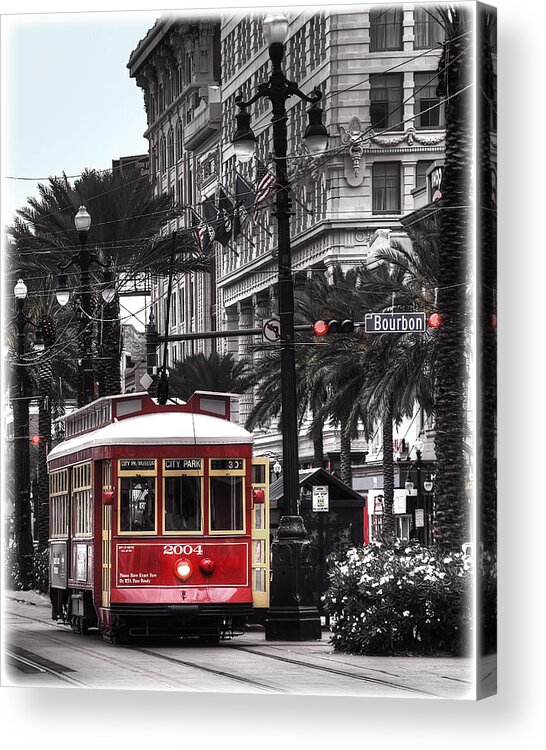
(271,330)
(403,322)
(320,498)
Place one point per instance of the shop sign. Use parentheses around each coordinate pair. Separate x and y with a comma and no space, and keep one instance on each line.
(419,518)
(399,501)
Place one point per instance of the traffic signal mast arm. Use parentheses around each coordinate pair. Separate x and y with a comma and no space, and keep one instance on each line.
(376,323)
(228,334)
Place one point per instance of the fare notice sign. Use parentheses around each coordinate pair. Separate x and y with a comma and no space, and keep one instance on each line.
(320,498)
(403,322)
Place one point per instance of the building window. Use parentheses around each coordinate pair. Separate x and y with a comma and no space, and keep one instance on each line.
(386,101)
(178,140)
(170,148)
(385,29)
(428,31)
(386,187)
(181,310)
(421,172)
(429,109)
(162,154)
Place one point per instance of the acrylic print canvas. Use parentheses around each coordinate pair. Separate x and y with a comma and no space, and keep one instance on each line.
(250,351)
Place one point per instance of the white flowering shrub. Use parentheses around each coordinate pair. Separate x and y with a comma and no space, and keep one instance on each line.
(398,597)
(39,579)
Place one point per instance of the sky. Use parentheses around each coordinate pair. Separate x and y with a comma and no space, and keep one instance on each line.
(68,100)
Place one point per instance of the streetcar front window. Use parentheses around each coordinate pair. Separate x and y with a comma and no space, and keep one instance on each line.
(226,503)
(137,504)
(183,503)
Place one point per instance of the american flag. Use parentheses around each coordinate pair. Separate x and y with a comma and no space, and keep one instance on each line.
(225,218)
(210,217)
(199,229)
(244,203)
(265,180)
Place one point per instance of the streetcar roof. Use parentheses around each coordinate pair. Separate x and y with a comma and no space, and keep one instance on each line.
(166,428)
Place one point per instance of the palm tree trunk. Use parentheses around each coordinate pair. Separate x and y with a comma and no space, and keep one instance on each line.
(345,451)
(487,345)
(317,436)
(451,509)
(388,470)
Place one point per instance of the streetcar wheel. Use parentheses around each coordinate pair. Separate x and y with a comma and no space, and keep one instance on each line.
(115,636)
(79,624)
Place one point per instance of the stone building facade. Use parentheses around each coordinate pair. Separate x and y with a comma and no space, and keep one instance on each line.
(376,68)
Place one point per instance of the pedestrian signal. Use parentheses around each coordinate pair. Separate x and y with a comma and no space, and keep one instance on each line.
(322,327)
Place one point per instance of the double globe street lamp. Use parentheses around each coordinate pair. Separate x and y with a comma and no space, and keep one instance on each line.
(293,615)
(84,260)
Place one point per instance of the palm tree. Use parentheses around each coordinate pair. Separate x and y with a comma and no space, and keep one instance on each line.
(451,518)
(310,396)
(126,220)
(216,372)
(324,368)
(400,368)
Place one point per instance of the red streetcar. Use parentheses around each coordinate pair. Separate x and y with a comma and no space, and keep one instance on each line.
(159,519)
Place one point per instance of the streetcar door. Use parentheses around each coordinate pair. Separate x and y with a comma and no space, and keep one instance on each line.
(106,539)
(260,531)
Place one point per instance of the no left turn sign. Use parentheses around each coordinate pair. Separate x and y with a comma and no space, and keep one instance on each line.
(271,330)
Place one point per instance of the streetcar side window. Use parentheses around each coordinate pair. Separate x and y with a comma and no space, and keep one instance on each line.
(183,503)
(226,503)
(137,503)
(58,503)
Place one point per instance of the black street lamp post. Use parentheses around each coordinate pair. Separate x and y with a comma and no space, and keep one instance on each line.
(293,615)
(21,444)
(84,259)
(419,506)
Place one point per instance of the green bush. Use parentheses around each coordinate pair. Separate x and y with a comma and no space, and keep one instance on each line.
(39,580)
(397,597)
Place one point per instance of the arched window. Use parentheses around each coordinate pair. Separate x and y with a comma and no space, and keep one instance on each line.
(162,154)
(170,148)
(178,140)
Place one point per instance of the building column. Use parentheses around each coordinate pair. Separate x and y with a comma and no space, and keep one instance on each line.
(231,346)
(246,320)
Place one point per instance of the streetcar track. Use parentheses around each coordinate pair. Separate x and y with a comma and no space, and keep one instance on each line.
(218,672)
(108,658)
(349,664)
(331,670)
(254,650)
(38,664)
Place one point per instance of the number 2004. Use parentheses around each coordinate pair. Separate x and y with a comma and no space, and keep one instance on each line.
(182,549)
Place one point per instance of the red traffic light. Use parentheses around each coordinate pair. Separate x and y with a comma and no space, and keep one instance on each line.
(320,327)
(434,320)
(35,440)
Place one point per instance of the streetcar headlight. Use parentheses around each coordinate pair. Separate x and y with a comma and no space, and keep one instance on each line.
(182,569)
(207,565)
